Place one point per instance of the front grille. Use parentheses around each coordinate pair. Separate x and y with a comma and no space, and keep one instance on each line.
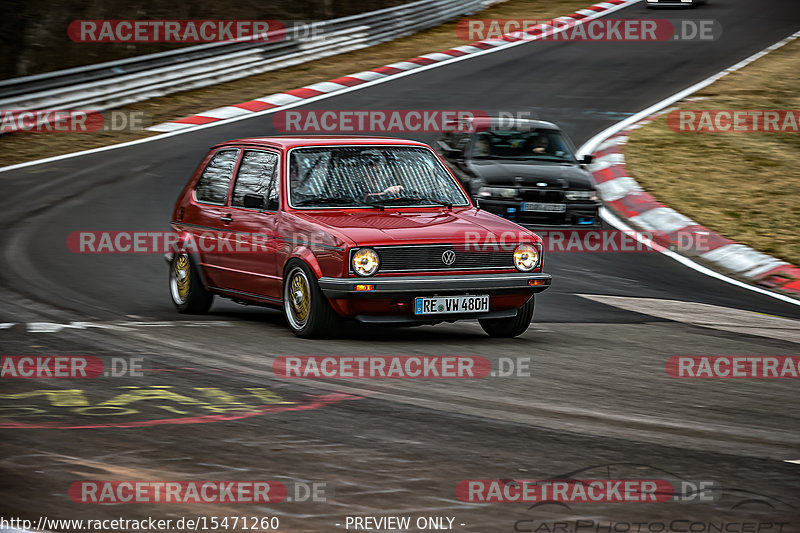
(542,195)
(426,258)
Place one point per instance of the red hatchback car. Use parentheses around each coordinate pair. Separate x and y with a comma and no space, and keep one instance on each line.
(372,229)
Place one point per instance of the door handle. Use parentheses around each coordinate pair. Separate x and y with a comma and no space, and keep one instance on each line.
(226,219)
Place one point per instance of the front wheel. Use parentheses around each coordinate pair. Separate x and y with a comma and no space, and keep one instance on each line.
(306,309)
(186,288)
(510,327)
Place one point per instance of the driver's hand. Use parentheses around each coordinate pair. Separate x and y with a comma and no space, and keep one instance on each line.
(394,189)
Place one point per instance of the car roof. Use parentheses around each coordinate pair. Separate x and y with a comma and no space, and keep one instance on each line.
(480,123)
(319,140)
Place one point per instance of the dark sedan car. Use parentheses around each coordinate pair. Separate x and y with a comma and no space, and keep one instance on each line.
(523,170)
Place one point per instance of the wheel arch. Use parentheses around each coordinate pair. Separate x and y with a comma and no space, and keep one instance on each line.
(305,255)
(194,257)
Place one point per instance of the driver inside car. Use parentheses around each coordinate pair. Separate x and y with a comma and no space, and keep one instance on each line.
(541,145)
(373,174)
(483,147)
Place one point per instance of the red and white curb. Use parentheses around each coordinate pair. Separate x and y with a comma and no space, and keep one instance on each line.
(670,229)
(279,100)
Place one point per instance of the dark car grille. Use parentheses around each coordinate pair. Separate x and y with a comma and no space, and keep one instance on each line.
(422,257)
(542,195)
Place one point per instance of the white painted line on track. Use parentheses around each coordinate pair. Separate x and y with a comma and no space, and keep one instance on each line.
(612,219)
(56,327)
(592,144)
(717,317)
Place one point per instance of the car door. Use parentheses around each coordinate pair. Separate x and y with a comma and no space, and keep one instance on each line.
(251,268)
(210,213)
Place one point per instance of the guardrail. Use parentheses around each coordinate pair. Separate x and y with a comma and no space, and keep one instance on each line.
(113,84)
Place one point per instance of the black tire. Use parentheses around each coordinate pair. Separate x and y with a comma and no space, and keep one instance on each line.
(306,310)
(186,288)
(510,327)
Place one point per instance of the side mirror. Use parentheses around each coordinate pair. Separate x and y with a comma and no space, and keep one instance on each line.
(587,159)
(455,153)
(254,201)
(447,151)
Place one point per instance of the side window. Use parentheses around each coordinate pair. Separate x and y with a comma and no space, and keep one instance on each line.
(212,187)
(257,175)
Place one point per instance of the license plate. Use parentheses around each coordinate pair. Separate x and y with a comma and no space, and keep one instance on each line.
(545,208)
(441,305)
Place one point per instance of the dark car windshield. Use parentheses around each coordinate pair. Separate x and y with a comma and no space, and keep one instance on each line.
(535,145)
(370,176)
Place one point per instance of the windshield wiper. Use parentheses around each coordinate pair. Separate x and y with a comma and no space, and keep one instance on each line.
(406,200)
(336,200)
(536,157)
(439,202)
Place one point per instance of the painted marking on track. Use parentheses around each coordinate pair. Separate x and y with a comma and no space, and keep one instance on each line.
(794,461)
(56,327)
(707,316)
(131,407)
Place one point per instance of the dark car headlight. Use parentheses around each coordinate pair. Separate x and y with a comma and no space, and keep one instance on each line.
(497,192)
(365,262)
(580,195)
(526,257)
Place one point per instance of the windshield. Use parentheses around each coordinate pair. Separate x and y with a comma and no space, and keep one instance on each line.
(370,176)
(544,145)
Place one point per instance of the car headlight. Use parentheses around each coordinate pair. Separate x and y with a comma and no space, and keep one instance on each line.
(526,256)
(365,262)
(580,195)
(499,192)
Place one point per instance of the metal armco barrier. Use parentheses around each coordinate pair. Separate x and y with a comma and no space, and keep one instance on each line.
(113,84)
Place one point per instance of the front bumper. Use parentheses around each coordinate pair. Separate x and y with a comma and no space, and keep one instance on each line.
(390,287)
(579,214)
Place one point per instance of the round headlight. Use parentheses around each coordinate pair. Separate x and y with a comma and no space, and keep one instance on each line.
(365,262)
(526,256)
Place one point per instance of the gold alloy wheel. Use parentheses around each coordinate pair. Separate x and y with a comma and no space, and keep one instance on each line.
(297,298)
(181,277)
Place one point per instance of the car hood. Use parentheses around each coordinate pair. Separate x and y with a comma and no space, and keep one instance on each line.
(435,225)
(528,174)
